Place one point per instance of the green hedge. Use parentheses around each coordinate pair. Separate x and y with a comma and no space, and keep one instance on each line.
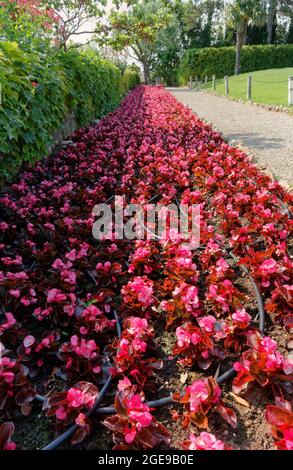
(221,61)
(39,90)
(130,79)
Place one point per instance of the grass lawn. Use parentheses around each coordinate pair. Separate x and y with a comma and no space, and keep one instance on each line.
(268,86)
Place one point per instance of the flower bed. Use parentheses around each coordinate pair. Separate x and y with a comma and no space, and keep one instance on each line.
(59,286)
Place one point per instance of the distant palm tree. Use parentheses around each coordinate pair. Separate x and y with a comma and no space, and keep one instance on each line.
(241,13)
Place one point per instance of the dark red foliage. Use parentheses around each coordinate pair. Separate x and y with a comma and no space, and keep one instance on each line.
(199,399)
(133,426)
(281,420)
(59,286)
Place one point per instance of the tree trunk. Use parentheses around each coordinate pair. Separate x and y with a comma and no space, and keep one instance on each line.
(147,74)
(240,41)
(238,52)
(270,20)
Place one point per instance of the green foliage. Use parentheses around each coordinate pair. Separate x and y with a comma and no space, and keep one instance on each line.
(221,61)
(130,79)
(201,20)
(94,85)
(32,24)
(168,53)
(137,28)
(73,16)
(38,91)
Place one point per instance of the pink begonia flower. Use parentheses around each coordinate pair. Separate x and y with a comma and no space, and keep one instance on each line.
(184,338)
(207,323)
(191,298)
(269,345)
(288,366)
(21,276)
(268,267)
(58,264)
(222,265)
(8,377)
(10,446)
(83,348)
(10,321)
(123,384)
(137,326)
(91,312)
(81,420)
(288,438)
(41,314)
(130,436)
(61,413)
(71,255)
(199,393)
(139,416)
(29,341)
(205,441)
(142,418)
(241,316)
(139,346)
(14,293)
(142,288)
(77,398)
(3,226)
(55,295)
(189,295)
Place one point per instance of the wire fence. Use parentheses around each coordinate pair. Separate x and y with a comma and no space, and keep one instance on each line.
(210,83)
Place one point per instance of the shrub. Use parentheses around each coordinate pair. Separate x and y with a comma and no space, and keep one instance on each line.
(221,61)
(39,90)
(131,79)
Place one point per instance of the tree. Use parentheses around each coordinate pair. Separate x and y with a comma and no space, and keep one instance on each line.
(241,13)
(30,23)
(74,15)
(200,21)
(277,8)
(168,51)
(137,28)
(271,17)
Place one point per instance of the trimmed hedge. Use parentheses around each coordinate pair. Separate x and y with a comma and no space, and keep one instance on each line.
(38,92)
(221,61)
(130,79)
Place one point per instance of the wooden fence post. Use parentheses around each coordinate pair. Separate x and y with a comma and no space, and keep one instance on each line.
(190,82)
(196,82)
(290,91)
(206,80)
(249,88)
(227,85)
(214,82)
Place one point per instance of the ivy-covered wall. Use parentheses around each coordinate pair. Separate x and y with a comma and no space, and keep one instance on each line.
(38,91)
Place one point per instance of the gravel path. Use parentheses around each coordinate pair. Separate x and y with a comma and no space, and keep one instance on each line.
(265,135)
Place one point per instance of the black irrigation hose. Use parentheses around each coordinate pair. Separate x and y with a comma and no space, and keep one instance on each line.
(110,410)
(60,439)
(118,324)
(260,304)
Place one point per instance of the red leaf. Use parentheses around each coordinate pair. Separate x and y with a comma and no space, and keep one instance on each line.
(276,416)
(6,431)
(228,415)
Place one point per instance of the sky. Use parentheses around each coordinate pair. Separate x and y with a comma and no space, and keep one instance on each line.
(89,26)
